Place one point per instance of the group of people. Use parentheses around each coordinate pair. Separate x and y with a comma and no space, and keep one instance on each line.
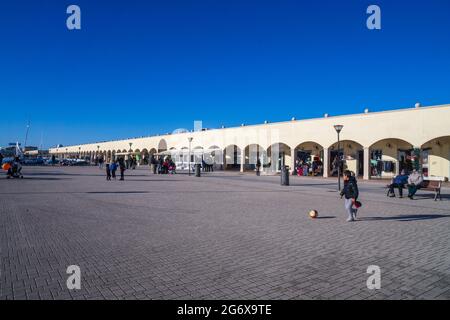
(412,181)
(207,167)
(13,168)
(304,168)
(163,165)
(111,169)
(350,191)
(99,161)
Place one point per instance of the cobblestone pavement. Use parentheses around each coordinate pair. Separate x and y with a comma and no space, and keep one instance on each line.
(221,236)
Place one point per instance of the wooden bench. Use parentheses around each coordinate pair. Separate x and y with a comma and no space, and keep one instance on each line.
(432,184)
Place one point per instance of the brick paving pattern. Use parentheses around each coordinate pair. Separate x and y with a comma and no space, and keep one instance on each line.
(221,236)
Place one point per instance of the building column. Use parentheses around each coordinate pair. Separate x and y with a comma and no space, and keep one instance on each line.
(293,157)
(242,159)
(326,163)
(366,168)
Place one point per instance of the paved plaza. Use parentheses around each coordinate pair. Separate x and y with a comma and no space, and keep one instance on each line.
(222,236)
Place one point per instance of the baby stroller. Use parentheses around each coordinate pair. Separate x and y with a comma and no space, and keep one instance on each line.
(14,171)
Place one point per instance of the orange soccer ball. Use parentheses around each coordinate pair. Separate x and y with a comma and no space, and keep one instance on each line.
(6,166)
(313,214)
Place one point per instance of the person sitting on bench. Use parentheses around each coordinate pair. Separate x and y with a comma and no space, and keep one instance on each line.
(414,183)
(398,182)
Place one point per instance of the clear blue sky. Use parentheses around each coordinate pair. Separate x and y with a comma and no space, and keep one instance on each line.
(145,67)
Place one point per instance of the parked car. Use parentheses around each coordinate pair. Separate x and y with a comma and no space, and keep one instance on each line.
(33,161)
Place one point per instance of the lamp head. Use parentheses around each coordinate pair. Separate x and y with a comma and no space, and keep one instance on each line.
(338,127)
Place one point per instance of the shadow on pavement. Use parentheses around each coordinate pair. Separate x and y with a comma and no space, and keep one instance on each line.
(154,180)
(115,192)
(407,217)
(43,178)
(430,196)
(100,174)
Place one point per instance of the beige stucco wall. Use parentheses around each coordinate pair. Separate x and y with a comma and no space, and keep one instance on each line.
(415,126)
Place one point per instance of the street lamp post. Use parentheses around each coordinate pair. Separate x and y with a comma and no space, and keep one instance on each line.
(338,128)
(79,152)
(189,159)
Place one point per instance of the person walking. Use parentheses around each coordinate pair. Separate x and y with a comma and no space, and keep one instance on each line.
(305,169)
(160,165)
(414,183)
(258,167)
(113,168)
(351,193)
(122,169)
(108,172)
(154,164)
(334,166)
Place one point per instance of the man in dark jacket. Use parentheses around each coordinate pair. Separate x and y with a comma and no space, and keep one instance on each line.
(398,182)
(258,167)
(351,193)
(122,169)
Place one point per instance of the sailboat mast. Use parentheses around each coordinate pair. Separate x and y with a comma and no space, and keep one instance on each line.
(26,135)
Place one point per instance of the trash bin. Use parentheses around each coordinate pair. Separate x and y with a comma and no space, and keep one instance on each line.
(285,176)
(197,169)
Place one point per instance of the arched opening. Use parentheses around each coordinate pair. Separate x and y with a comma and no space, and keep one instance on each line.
(151,156)
(181,158)
(232,157)
(351,154)
(279,155)
(388,157)
(197,155)
(162,145)
(145,157)
(253,153)
(212,158)
(135,158)
(122,154)
(435,157)
(309,159)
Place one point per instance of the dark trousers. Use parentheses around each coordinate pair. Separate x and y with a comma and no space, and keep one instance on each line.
(113,172)
(412,189)
(122,170)
(396,185)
